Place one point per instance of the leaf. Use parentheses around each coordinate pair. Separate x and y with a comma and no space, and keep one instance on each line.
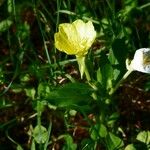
(120,51)
(102,130)
(5,25)
(40,134)
(106,75)
(19,147)
(87,144)
(43,90)
(105,72)
(113,118)
(113,142)
(130,147)
(33,145)
(144,137)
(30,93)
(69,145)
(10,6)
(99,75)
(98,130)
(117,57)
(23,31)
(94,132)
(71,94)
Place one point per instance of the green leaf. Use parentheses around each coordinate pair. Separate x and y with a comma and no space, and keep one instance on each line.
(40,134)
(71,94)
(69,145)
(129,7)
(105,72)
(94,132)
(117,57)
(130,147)
(2,78)
(102,130)
(5,25)
(113,118)
(25,78)
(23,31)
(33,145)
(106,75)
(43,90)
(99,130)
(120,51)
(99,76)
(113,142)
(31,93)
(87,144)
(19,147)
(144,137)
(10,6)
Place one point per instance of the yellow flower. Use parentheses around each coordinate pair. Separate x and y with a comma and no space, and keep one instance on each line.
(75,38)
(141,60)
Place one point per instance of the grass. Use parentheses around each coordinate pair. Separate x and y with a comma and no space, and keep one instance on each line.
(45,104)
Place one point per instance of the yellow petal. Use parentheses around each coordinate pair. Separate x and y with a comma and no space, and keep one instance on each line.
(79,27)
(75,38)
(62,41)
(90,34)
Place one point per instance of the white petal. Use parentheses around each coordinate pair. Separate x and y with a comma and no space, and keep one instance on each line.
(141,60)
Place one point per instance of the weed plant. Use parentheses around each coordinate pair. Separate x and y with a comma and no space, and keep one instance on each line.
(44,103)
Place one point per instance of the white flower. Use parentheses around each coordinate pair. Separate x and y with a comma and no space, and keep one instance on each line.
(141,60)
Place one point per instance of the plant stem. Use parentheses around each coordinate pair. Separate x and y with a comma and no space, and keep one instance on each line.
(118,84)
(87,74)
(88,77)
(145,5)
(39,120)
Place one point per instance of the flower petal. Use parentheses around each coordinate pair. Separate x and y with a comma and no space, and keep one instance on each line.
(62,39)
(75,38)
(141,60)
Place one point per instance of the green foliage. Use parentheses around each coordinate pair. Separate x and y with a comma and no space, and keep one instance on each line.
(130,147)
(69,145)
(40,134)
(23,31)
(10,6)
(87,144)
(5,25)
(71,94)
(112,118)
(35,78)
(144,137)
(105,72)
(113,142)
(30,93)
(143,141)
(1,76)
(97,131)
(19,147)
(43,90)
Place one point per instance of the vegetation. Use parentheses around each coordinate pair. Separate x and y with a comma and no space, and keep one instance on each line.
(44,101)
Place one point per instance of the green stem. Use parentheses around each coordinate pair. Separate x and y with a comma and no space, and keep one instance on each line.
(87,74)
(38,113)
(83,69)
(118,84)
(145,5)
(39,120)
(88,77)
